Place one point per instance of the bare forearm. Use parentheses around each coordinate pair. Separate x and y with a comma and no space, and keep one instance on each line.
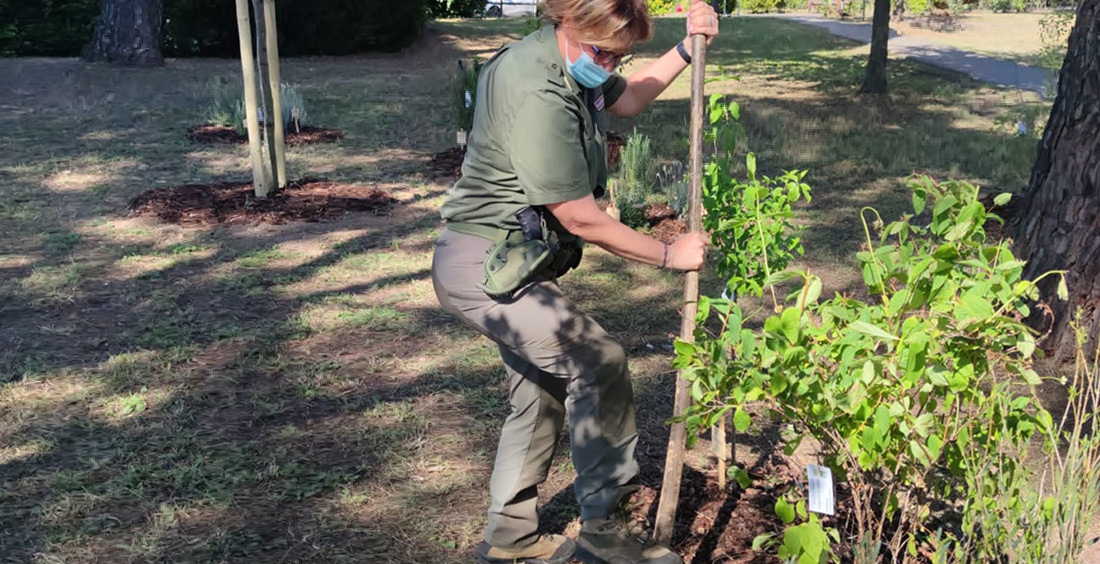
(620,240)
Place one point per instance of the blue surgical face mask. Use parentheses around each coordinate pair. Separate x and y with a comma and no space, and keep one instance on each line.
(586,72)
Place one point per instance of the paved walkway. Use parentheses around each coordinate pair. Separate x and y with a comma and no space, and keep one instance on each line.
(986,69)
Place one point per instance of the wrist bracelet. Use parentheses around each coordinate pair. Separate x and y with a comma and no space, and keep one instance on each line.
(664,259)
(682,50)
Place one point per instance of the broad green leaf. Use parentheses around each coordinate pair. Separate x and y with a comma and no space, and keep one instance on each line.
(868,373)
(761,541)
(871,330)
(780,277)
(1002,199)
(920,197)
(935,443)
(973,306)
(813,291)
(684,348)
(784,511)
(739,475)
(750,164)
(1026,345)
(1031,377)
(1063,291)
(788,321)
(897,302)
(741,420)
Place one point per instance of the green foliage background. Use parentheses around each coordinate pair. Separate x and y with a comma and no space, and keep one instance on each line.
(455,8)
(208,28)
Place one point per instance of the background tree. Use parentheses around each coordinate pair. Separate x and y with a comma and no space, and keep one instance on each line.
(128,32)
(875,81)
(1057,224)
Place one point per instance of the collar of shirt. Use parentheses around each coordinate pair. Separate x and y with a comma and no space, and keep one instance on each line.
(550,56)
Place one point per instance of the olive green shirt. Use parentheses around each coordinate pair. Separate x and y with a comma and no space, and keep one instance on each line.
(537,136)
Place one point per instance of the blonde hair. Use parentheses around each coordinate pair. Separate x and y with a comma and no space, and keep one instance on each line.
(613,25)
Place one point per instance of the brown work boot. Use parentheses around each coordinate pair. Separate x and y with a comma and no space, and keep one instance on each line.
(617,539)
(549,549)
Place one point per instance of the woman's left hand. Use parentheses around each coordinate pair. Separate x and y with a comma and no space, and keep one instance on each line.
(701,19)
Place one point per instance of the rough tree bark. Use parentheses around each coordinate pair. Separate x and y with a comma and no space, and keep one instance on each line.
(128,32)
(875,81)
(1057,222)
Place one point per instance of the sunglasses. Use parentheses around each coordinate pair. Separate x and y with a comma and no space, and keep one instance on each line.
(610,58)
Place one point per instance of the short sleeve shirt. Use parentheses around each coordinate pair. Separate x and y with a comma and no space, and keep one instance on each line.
(537,136)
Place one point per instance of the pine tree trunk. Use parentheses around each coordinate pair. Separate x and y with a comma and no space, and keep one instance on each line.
(1057,223)
(875,82)
(128,32)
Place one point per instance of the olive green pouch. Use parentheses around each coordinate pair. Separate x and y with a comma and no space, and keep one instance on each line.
(512,263)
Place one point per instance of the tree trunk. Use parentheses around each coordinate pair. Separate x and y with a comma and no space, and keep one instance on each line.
(875,82)
(1057,224)
(128,32)
(275,80)
(260,183)
(267,98)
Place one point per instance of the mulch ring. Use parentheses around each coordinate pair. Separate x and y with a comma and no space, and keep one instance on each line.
(223,134)
(309,199)
(714,525)
(447,164)
(663,223)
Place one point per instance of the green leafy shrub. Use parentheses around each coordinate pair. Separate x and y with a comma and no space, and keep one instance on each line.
(340,27)
(292,104)
(637,172)
(904,393)
(59,28)
(751,219)
(918,7)
(759,6)
(661,7)
(1054,30)
(1016,520)
(208,28)
(226,106)
(455,8)
(675,186)
(204,28)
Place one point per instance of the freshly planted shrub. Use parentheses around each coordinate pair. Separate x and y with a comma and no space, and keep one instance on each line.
(903,393)
(226,107)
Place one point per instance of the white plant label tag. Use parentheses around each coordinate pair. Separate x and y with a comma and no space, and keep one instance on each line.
(821,489)
(462,137)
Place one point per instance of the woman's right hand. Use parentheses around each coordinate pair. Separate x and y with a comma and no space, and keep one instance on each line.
(688,252)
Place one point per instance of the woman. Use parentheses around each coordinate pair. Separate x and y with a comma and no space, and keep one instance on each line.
(536,155)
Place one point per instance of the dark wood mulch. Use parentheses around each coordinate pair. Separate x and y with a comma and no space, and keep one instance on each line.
(663,223)
(222,134)
(309,199)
